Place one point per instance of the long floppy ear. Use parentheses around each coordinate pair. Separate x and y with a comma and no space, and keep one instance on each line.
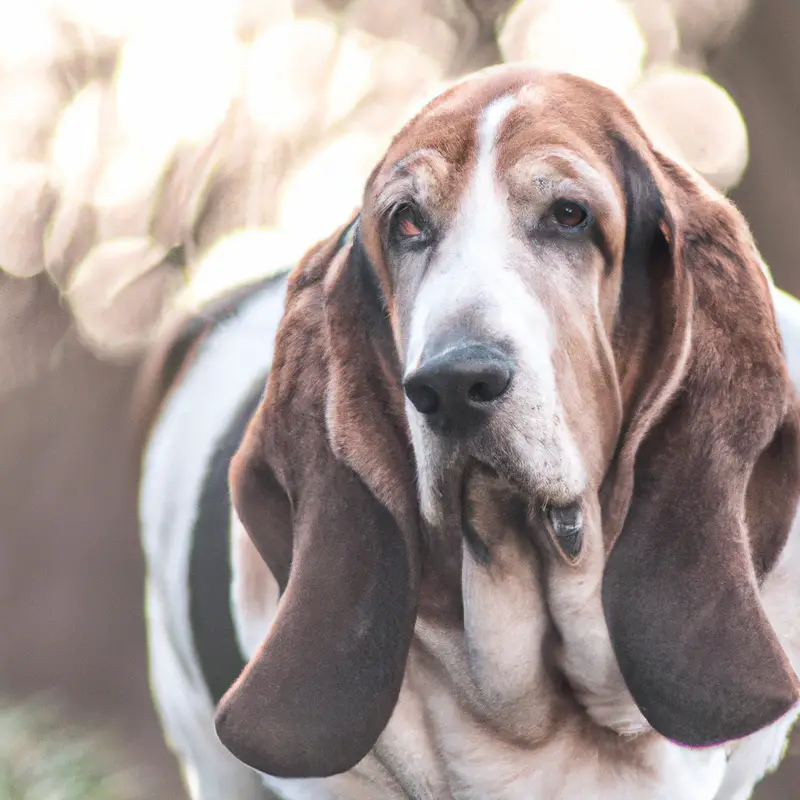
(706,478)
(323,483)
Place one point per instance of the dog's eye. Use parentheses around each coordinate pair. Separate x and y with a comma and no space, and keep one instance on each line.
(408,223)
(569,213)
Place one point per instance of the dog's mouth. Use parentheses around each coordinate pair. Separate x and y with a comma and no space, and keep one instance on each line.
(479,482)
(491,503)
(550,537)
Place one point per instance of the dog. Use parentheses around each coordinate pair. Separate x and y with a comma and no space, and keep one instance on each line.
(495,495)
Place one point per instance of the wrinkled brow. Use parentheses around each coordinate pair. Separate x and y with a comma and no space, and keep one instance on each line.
(557,167)
(419,176)
(553,173)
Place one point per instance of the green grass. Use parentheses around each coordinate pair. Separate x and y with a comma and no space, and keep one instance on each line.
(42,758)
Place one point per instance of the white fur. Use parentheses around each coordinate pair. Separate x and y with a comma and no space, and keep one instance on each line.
(505,620)
(252,624)
(587,657)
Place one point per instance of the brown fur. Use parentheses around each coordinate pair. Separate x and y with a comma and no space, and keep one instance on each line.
(289,486)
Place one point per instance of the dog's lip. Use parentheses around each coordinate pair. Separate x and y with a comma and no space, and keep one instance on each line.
(540,514)
(563,526)
(534,504)
(473,465)
(472,468)
(472,538)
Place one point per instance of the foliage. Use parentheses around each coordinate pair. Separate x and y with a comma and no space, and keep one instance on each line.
(41,758)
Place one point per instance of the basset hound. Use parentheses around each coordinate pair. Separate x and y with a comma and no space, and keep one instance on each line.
(515,515)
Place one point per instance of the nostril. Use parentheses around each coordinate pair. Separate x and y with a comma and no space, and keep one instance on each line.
(423,398)
(494,382)
(481,392)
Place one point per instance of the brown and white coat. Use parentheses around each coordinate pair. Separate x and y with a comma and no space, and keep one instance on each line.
(515,514)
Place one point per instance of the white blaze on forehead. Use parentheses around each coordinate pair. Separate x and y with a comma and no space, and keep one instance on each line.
(479,238)
(491,120)
(484,223)
(484,211)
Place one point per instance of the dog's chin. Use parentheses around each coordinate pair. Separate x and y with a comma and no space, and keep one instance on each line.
(469,495)
(538,470)
(493,505)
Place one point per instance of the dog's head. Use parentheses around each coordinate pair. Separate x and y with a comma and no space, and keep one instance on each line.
(531,297)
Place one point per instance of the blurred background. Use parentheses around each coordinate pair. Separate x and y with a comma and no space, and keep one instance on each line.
(155,152)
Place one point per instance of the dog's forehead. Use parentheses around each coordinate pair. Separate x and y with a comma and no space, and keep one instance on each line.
(433,159)
(548,110)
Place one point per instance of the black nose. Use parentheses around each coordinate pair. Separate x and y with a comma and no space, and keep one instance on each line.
(456,388)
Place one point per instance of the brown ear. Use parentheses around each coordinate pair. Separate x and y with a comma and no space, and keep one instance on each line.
(706,479)
(323,484)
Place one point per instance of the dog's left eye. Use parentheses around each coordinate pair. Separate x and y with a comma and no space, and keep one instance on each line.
(569,213)
(407,223)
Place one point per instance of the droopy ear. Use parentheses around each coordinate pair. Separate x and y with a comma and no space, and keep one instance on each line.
(706,478)
(324,486)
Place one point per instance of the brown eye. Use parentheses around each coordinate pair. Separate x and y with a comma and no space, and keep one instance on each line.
(407,223)
(569,213)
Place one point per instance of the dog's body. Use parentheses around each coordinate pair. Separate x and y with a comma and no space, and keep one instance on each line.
(499,679)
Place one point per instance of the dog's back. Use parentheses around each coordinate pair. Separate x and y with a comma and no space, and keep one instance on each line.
(196,395)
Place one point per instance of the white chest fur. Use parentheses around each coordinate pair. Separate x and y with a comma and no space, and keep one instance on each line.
(434,747)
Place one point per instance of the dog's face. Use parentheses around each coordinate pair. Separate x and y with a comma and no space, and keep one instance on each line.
(538,331)
(502,233)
